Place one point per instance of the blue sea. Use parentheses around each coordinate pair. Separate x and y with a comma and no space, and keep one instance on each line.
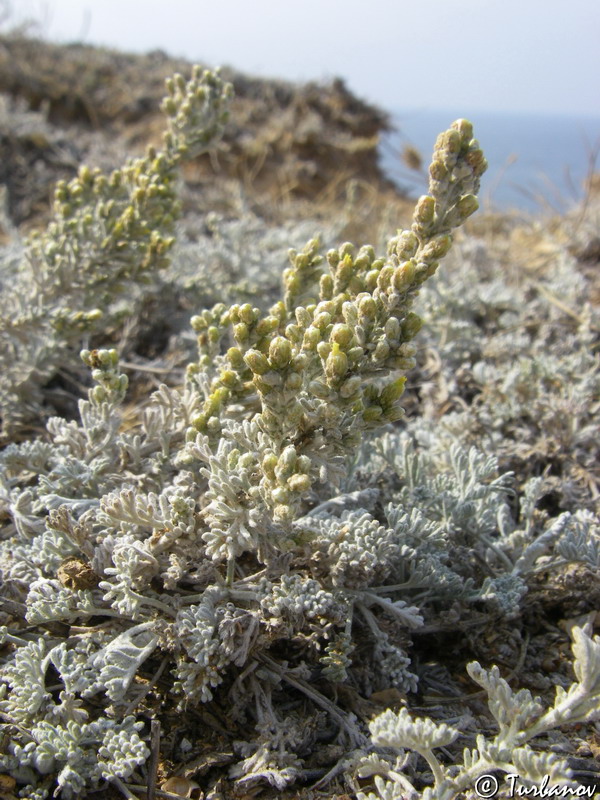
(537,163)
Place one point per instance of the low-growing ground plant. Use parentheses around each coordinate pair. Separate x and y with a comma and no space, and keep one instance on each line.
(246,584)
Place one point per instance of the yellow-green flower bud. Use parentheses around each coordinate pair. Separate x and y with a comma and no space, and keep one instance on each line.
(438,170)
(370,280)
(466,206)
(213,334)
(394,413)
(382,351)
(323,349)
(367,307)
(292,282)
(288,458)
(229,378)
(451,140)
(336,365)
(475,159)
(326,287)
(257,361)
(280,352)
(392,328)
(241,333)
(406,245)
(411,326)
(350,313)
(392,392)
(342,334)
(299,483)
(301,261)
(345,270)
(312,338)
(355,354)
(269,463)
(424,210)
(278,310)
(61,192)
(216,400)
(109,358)
(322,320)
(266,325)
(372,413)
(465,128)
(385,278)
(293,333)
(303,318)
(199,422)
(437,248)
(404,276)
(235,357)
(333,258)
(247,314)
(99,394)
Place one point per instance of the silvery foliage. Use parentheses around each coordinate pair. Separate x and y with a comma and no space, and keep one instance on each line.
(453,502)
(237,255)
(228,526)
(58,737)
(519,717)
(519,364)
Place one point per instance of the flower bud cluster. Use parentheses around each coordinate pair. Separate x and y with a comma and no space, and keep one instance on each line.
(108,234)
(287,477)
(115,228)
(111,384)
(325,364)
(454,175)
(197,111)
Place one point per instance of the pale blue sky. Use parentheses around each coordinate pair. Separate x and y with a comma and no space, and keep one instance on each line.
(489,55)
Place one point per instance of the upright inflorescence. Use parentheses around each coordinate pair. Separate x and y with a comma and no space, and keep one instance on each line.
(326,363)
(108,234)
